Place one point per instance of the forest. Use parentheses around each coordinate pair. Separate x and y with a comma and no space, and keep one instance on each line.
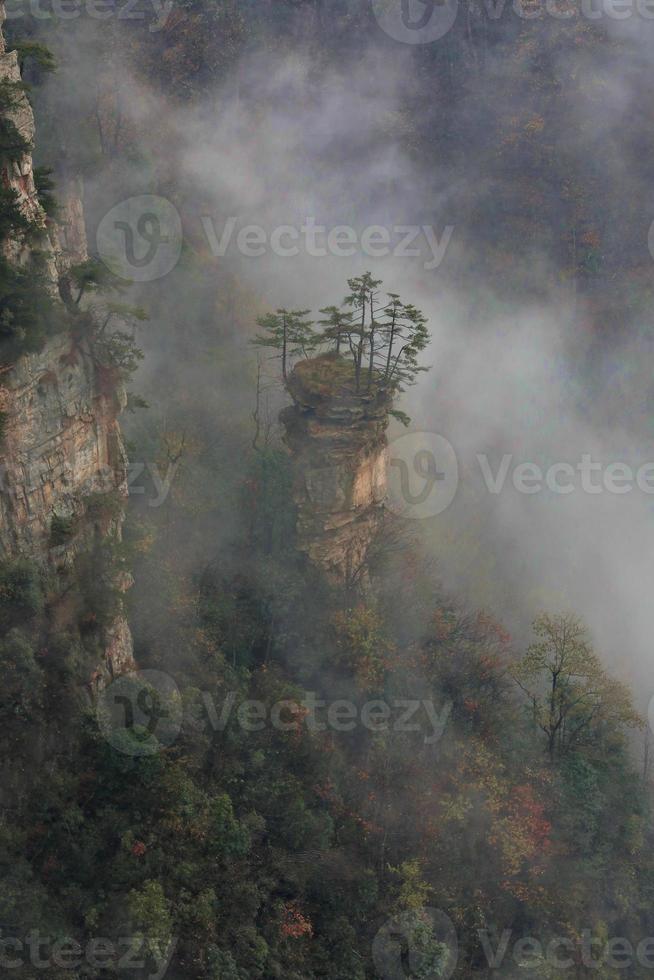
(292,683)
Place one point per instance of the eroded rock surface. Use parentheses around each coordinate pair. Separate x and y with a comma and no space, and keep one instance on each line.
(338,444)
(60,441)
(61,444)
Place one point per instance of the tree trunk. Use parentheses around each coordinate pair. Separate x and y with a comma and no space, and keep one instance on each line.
(284,342)
(391,341)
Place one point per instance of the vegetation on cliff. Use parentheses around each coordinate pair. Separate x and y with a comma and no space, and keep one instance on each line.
(35,302)
(239,849)
(28,313)
(262,850)
(375,343)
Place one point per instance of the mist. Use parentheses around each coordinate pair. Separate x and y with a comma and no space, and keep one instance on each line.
(521,363)
(237,159)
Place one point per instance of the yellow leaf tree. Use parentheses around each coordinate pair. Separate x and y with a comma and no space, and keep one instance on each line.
(572,696)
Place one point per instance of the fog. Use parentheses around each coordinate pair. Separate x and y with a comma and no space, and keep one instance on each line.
(521,359)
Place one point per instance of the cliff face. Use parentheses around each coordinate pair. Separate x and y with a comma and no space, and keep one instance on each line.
(60,440)
(61,443)
(338,445)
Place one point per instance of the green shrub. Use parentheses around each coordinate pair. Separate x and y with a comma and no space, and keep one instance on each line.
(229,838)
(28,314)
(20,676)
(12,219)
(21,594)
(62,528)
(44,187)
(38,54)
(149,911)
(109,505)
(99,597)
(12,144)
(221,965)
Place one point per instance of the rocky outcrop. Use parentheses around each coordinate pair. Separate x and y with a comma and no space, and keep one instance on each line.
(60,444)
(338,444)
(68,231)
(18,174)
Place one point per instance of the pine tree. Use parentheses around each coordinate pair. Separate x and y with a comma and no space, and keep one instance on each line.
(362,301)
(290,333)
(337,324)
(383,338)
(406,326)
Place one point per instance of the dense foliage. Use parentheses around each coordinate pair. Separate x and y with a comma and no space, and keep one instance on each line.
(261,850)
(248,851)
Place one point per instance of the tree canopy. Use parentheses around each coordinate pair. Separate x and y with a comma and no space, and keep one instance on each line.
(380,336)
(572,697)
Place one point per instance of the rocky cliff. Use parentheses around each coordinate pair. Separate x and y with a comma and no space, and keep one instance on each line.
(338,445)
(61,449)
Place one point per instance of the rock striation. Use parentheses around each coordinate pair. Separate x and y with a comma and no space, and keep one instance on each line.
(61,444)
(338,444)
(60,441)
